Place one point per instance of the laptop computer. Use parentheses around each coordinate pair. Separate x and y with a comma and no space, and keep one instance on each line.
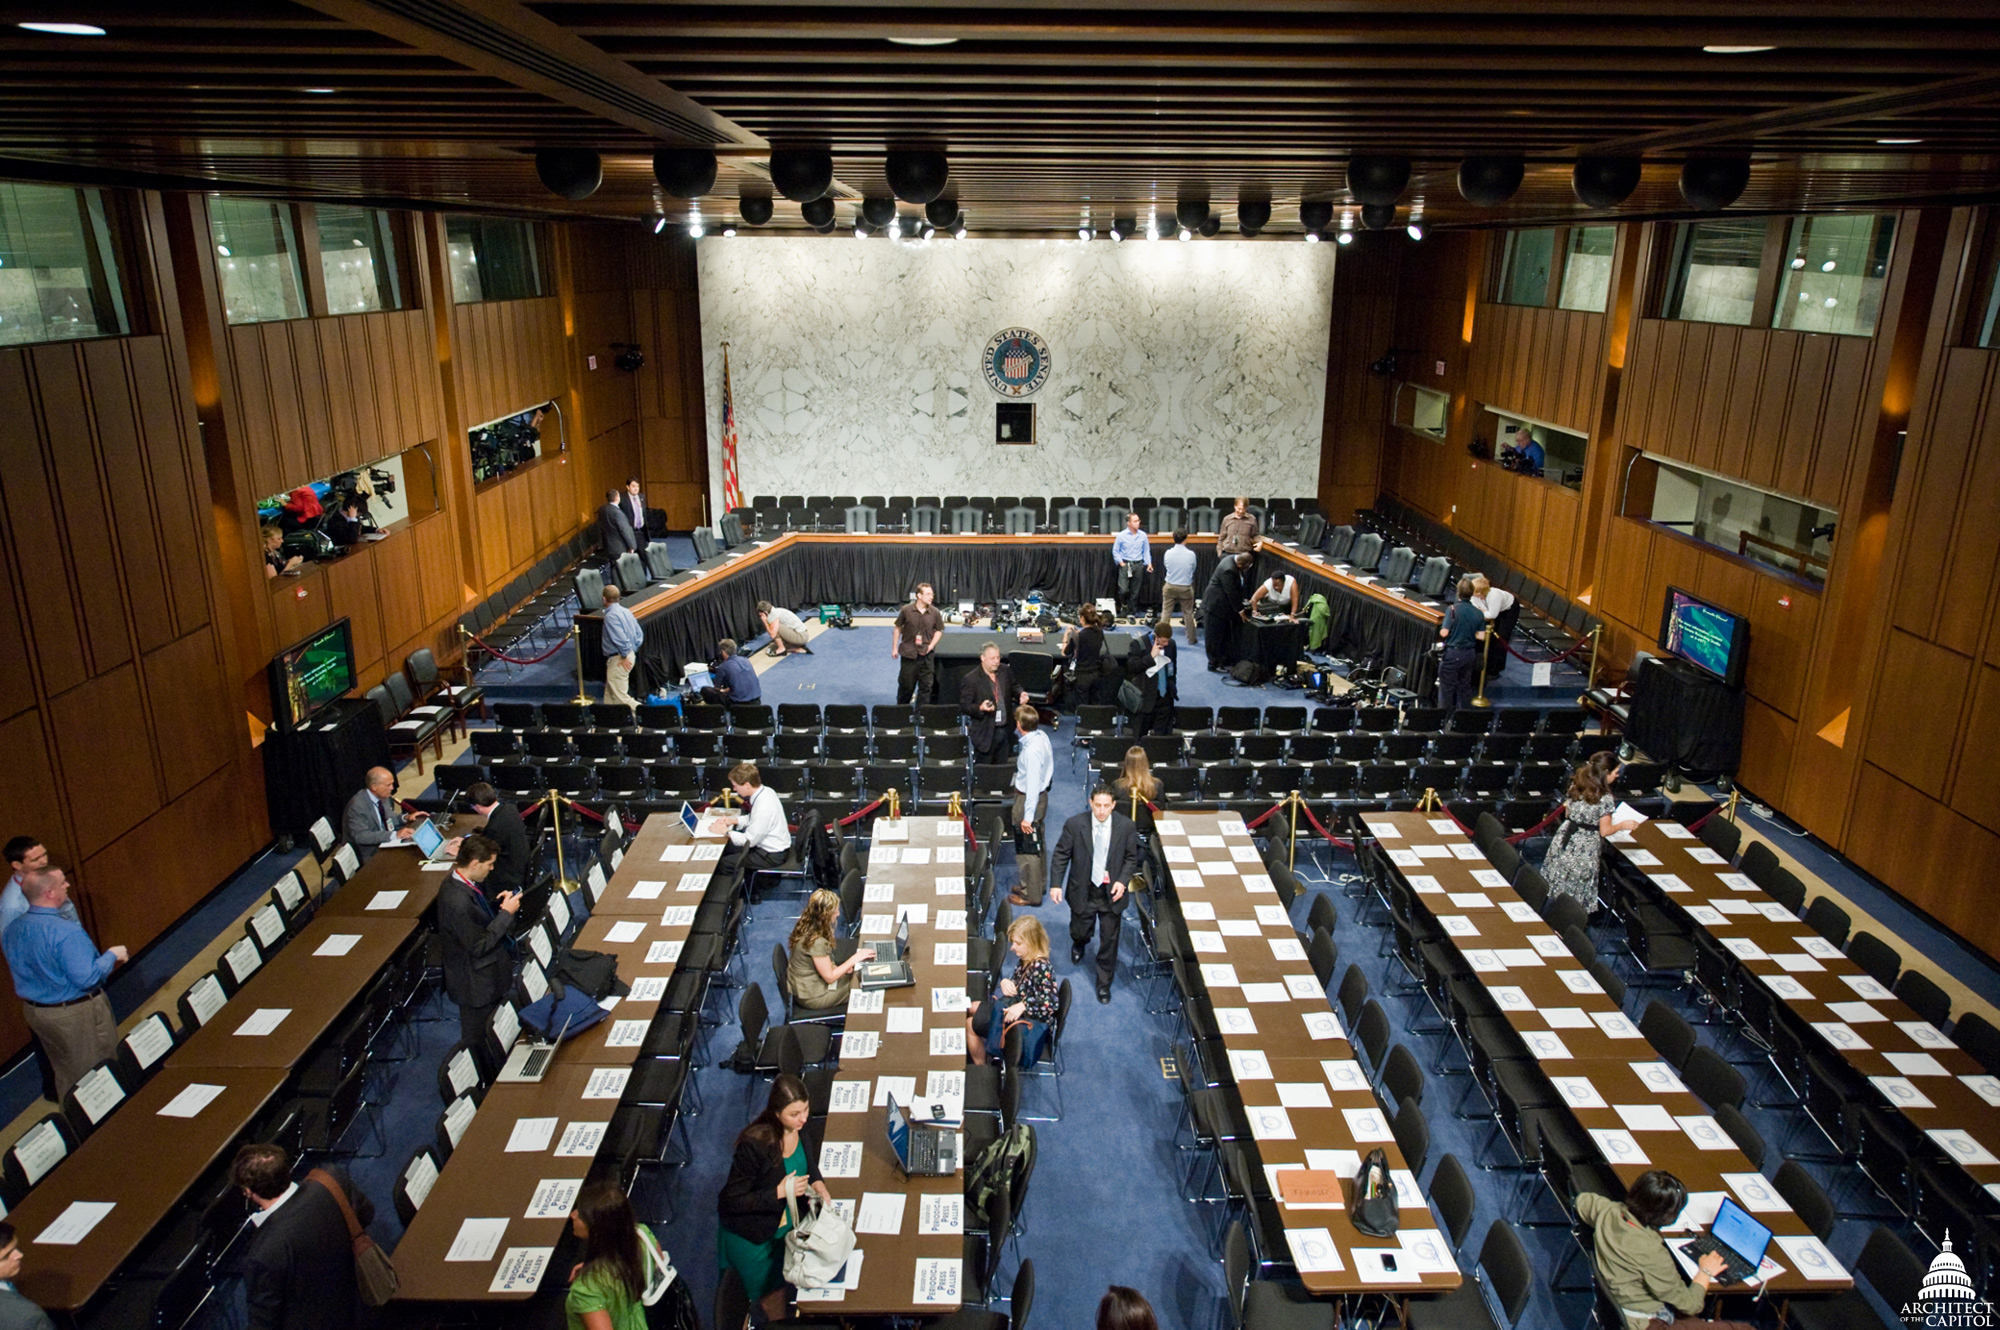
(891,966)
(530,1060)
(430,841)
(689,818)
(1738,1237)
(921,1152)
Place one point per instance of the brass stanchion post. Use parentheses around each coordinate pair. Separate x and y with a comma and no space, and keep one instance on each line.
(895,804)
(576,635)
(1729,809)
(1485,645)
(955,810)
(1430,803)
(1596,636)
(563,882)
(1292,816)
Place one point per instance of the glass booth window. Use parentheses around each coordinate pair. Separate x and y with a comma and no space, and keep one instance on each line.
(58,273)
(500,446)
(1524,267)
(1787,534)
(357,254)
(1586,282)
(257,257)
(492,258)
(1835,268)
(1714,278)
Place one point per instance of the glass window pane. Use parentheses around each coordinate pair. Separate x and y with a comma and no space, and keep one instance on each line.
(1835,268)
(1524,267)
(58,276)
(1775,530)
(492,258)
(1587,267)
(357,252)
(1715,271)
(257,255)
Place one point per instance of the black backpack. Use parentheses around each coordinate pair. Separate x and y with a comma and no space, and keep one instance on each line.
(997,1167)
(1247,672)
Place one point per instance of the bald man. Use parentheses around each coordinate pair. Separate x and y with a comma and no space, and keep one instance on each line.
(373,820)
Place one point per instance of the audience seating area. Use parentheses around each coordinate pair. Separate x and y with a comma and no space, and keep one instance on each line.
(521,614)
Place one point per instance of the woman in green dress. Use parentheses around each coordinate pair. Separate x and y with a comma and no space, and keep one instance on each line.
(607,1287)
(770,1166)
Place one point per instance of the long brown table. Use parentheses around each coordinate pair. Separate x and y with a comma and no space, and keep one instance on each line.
(141,1163)
(1309,1102)
(904,1272)
(1631,1105)
(1915,1068)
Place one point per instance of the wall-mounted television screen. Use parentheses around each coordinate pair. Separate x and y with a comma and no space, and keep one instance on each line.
(307,676)
(1704,635)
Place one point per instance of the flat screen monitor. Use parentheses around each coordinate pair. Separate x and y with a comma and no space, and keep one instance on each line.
(1704,635)
(307,676)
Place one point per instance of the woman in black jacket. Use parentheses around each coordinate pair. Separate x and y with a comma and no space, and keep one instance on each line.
(1083,648)
(771,1165)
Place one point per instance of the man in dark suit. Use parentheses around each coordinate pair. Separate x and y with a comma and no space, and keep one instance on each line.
(1093,864)
(505,829)
(615,526)
(298,1273)
(988,695)
(16,1312)
(633,504)
(372,818)
(478,961)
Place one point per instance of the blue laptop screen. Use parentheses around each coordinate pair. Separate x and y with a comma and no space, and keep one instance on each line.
(688,818)
(899,1133)
(1736,1230)
(428,838)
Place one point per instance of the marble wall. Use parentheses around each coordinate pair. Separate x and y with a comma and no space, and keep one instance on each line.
(1175,368)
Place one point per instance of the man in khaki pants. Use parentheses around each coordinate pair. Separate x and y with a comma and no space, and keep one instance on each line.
(1177,592)
(622,639)
(59,974)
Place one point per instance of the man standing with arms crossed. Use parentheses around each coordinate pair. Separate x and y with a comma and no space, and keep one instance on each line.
(1034,772)
(915,636)
(1132,554)
(59,974)
(622,639)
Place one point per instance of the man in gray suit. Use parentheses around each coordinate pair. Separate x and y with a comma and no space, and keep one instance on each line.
(16,1312)
(616,528)
(372,819)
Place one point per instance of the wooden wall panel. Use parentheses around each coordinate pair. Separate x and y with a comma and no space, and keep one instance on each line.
(17,679)
(362,390)
(193,728)
(1909,736)
(1975,790)
(402,603)
(490,506)
(177,517)
(344,434)
(202,832)
(110,786)
(437,567)
(1942,863)
(351,593)
(1768,738)
(127,529)
(315,398)
(1811,381)
(71,456)
(281,379)
(38,541)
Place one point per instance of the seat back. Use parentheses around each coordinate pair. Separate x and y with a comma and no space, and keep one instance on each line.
(1162,519)
(967,520)
(924,519)
(589,590)
(659,561)
(732,530)
(630,572)
(1020,521)
(1366,551)
(1073,520)
(1431,580)
(1204,519)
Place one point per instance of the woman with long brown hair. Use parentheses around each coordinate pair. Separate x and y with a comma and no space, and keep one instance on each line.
(1577,848)
(607,1288)
(771,1167)
(815,980)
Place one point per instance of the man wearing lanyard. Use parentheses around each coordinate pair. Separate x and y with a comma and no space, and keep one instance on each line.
(1034,772)
(372,819)
(760,839)
(59,975)
(1094,860)
(988,697)
(478,958)
(1132,554)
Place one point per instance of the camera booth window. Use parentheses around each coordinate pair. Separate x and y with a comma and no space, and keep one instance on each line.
(500,447)
(326,519)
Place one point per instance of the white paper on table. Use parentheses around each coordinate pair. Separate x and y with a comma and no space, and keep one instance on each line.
(1701,854)
(1249,1064)
(263,1020)
(1814,945)
(1756,1194)
(1669,882)
(1736,881)
(1547,945)
(706,854)
(627,1034)
(1901,1091)
(916,855)
(386,900)
(521,1270)
(1743,948)
(677,916)
(554,1198)
(1658,1077)
(1367,1124)
(677,854)
(905,1020)
(1322,1025)
(1206,842)
(1432,851)
(1521,913)
(1545,1045)
(1618,1146)
(1710,917)
(531,1135)
(1519,957)
(1784,986)
(1705,1132)
(1286,948)
(1207,941)
(1234,1020)
(1239,927)
(1925,1035)
(840,1159)
(190,1101)
(580,1140)
(1269,1122)
(1443,826)
(1346,1076)
(1625,812)
(940,1212)
(1245,854)
(1855,1013)
(948,953)
(1727,905)
(881,1212)
(1269,993)
(1471,900)
(1840,1034)
(1385,830)
(1645,1117)
(648,890)
(1458,925)
(1406,859)
(1566,1018)
(951,854)
(1510,998)
(1425,886)
(607,1083)
(1489,877)
(1198,912)
(848,1097)
(1579,981)
(948,1042)
(1218,868)
(1698,1212)
(660,953)
(337,944)
(1170,826)
(1810,1257)
(1185,878)
(878,893)
(1485,962)
(73,1225)
(1643,858)
(1371,1268)
(877,925)
(1467,852)
(943,999)
(1313,1250)
(1578,1091)
(1616,1025)
(866,1001)
(477,1240)
(1179,854)
(1426,1252)
(1959,1144)
(625,930)
(919,913)
(1986,1087)
(1409,1196)
(951,886)
(860,1043)
(1303,1094)
(942,1084)
(692,882)
(1219,975)
(1866,987)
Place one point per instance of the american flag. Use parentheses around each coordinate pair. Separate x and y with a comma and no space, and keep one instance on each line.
(732,492)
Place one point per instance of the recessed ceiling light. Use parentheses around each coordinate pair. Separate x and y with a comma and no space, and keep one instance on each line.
(728,230)
(923,41)
(1828,266)
(1416,231)
(1312,237)
(320,92)
(65,29)
(1345,237)
(1737,50)
(1897,143)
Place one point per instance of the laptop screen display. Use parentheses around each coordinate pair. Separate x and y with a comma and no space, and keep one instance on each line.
(898,1124)
(428,838)
(688,817)
(1736,1230)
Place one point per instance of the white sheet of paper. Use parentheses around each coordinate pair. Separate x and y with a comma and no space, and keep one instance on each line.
(1234,1020)
(1545,944)
(677,916)
(1303,1094)
(840,1159)
(1925,1035)
(1385,830)
(1959,1145)
(1424,885)
(73,1225)
(1520,957)
(916,855)
(1269,1122)
(1471,900)
(1545,1045)
(521,1270)
(1432,851)
(1855,1013)
(1643,858)
(1727,905)
(881,1212)
(607,1083)
(1179,854)
(627,1034)
(263,1020)
(625,930)
(1866,987)
(1200,912)
(676,854)
(1645,1117)
(1485,962)
(1710,917)
(1268,993)
(1285,948)
(905,1020)
(1705,1132)
(1840,1034)
(648,890)
(191,1100)
(1238,927)
(1901,1091)
(661,953)
(1810,1257)
(1669,882)
(1519,911)
(1406,859)
(1742,947)
(866,1002)
(1566,1018)
(1701,854)
(948,953)
(949,1041)
(1206,842)
(1322,1025)
(1458,925)
(692,882)
(1216,868)
(386,900)
(337,944)
(1245,854)
(1217,974)
(1986,1087)
(1370,1266)
(848,1096)
(1756,1194)
(1186,879)
(1698,1212)
(477,1240)
(1618,1146)
(1367,1124)
(950,885)
(1425,1250)
(1207,941)
(580,1140)
(1616,1025)
(1313,1250)
(940,1213)
(1345,1075)
(943,999)
(531,1135)
(1658,1077)
(1510,998)
(554,1198)
(1249,1064)
(1784,986)
(878,893)
(860,1043)
(1268,916)
(1579,981)
(1489,877)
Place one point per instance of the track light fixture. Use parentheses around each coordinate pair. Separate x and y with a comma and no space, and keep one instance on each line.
(1315,214)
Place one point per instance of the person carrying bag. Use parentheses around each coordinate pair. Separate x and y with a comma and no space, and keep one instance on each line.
(817,1244)
(374,1275)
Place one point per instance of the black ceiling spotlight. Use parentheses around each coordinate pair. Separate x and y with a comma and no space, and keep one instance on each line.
(818,213)
(1191,211)
(1124,228)
(941,211)
(1376,179)
(1316,214)
(754,209)
(1252,215)
(916,175)
(802,174)
(685,173)
(1710,184)
(629,358)
(573,173)
(878,212)
(1604,182)
(1211,226)
(1378,216)
(1488,182)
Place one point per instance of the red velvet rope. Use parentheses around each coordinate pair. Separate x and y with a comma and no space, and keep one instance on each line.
(1328,835)
(860,813)
(1265,816)
(1552,660)
(497,654)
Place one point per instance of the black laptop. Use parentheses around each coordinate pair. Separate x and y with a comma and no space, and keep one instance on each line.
(921,1152)
(1738,1237)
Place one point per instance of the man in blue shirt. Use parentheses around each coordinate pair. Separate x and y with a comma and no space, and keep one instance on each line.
(1177,574)
(1133,555)
(1034,773)
(59,975)
(622,639)
(25,855)
(1462,631)
(735,677)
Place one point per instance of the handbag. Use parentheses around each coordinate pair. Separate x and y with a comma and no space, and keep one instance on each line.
(374,1275)
(1130,698)
(816,1246)
(1375,1211)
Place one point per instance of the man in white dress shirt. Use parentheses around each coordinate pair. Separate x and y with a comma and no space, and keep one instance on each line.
(759,838)
(1501,611)
(1034,772)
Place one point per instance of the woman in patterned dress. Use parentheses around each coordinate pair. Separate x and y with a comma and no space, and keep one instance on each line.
(1026,996)
(1576,849)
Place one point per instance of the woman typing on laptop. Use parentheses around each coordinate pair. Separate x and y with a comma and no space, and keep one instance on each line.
(1635,1268)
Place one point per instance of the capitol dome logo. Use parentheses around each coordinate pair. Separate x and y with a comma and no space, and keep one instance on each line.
(1947,1298)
